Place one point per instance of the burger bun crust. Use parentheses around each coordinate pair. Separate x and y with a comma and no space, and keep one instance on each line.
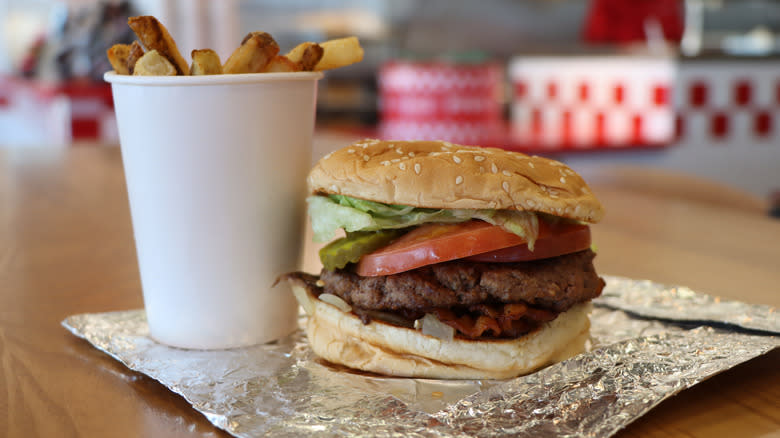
(438,174)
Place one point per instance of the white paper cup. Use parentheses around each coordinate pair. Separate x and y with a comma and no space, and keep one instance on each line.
(216,176)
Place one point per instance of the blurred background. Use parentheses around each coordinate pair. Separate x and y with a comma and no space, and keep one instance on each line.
(689,85)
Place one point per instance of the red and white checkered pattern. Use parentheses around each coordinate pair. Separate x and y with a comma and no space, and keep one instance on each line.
(436,100)
(592,102)
(724,103)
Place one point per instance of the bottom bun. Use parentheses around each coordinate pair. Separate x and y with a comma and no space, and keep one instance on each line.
(378,347)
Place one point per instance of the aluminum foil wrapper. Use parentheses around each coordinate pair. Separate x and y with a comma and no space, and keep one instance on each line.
(664,340)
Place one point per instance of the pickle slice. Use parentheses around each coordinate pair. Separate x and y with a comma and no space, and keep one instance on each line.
(349,249)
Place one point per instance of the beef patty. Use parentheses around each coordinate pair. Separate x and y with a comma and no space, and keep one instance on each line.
(556,283)
(477,299)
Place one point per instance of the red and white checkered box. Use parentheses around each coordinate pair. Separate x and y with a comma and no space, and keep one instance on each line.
(592,102)
(728,102)
(440,100)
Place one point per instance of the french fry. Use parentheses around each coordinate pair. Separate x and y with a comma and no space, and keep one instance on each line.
(205,62)
(258,53)
(136,52)
(155,36)
(339,53)
(117,56)
(154,64)
(255,52)
(280,64)
(311,56)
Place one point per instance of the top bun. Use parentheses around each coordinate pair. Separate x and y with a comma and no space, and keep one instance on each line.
(438,174)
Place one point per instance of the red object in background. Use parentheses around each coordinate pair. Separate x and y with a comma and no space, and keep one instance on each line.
(623,22)
(636,130)
(520,89)
(619,91)
(457,102)
(698,94)
(762,124)
(89,104)
(679,127)
(584,92)
(720,125)
(661,95)
(743,93)
(552,90)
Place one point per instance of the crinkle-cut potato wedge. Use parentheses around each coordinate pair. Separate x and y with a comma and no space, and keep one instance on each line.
(117,56)
(154,64)
(255,52)
(339,53)
(136,52)
(306,55)
(155,36)
(280,64)
(205,62)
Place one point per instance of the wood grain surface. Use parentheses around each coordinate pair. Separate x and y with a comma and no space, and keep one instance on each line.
(66,247)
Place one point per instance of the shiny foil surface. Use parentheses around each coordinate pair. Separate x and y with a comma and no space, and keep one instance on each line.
(638,358)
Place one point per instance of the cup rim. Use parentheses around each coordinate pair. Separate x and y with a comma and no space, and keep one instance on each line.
(243,78)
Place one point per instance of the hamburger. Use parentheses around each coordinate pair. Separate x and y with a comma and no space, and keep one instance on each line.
(457,261)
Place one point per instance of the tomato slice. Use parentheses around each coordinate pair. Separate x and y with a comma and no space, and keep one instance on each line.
(436,243)
(561,239)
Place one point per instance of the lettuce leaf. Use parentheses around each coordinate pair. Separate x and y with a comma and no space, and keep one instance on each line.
(330,213)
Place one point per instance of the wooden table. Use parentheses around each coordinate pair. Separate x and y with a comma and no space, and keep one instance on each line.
(66,247)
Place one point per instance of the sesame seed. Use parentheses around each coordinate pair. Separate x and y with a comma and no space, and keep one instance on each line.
(411,154)
(506,173)
(456,159)
(530,203)
(563,180)
(494,168)
(334,188)
(417,168)
(399,151)
(479,158)
(458,179)
(327,156)
(350,151)
(505,186)
(366,158)
(395,160)
(385,163)
(531,165)
(402,166)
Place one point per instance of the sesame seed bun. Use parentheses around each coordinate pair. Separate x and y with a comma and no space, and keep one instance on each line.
(438,174)
(378,347)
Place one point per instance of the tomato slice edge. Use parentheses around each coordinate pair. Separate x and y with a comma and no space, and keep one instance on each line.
(572,239)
